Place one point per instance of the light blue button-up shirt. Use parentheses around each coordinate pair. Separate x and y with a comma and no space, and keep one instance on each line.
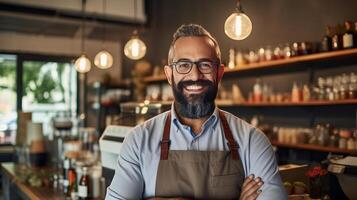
(135,175)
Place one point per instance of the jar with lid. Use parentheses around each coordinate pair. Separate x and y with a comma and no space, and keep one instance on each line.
(352,89)
(344,135)
(322,135)
(344,86)
(334,138)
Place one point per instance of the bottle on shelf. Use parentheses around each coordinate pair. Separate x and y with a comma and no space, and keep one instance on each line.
(326,43)
(72,180)
(257,92)
(83,186)
(352,88)
(348,36)
(65,183)
(295,93)
(231,63)
(306,94)
(337,38)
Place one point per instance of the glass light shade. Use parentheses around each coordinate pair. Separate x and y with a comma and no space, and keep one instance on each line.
(135,48)
(82,64)
(103,60)
(238,26)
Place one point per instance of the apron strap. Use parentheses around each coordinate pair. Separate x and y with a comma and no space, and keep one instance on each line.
(165,142)
(232,144)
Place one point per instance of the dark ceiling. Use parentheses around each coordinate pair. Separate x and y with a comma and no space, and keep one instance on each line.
(51,23)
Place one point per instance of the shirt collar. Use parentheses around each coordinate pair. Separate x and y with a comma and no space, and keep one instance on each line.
(210,122)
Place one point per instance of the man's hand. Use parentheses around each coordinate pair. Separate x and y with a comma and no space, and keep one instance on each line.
(251,188)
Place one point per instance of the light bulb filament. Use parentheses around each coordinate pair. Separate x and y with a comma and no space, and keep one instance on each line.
(135,48)
(103,59)
(238,25)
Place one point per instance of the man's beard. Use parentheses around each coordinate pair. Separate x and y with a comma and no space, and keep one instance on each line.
(194,106)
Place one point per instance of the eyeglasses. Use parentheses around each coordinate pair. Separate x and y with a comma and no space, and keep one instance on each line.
(184,67)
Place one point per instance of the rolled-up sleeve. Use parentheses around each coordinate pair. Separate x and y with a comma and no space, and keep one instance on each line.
(263,164)
(128,181)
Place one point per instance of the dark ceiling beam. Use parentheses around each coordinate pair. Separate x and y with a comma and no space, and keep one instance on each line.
(15,8)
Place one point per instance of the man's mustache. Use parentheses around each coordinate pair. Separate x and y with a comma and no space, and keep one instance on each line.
(183,84)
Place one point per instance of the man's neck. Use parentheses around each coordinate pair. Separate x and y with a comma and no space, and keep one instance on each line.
(195,124)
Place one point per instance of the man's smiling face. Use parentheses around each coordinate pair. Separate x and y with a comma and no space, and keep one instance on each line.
(194,91)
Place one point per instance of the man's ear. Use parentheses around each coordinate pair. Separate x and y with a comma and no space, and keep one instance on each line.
(220,73)
(168,73)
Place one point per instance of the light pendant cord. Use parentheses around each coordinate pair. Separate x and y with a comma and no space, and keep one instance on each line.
(239,6)
(104,26)
(83,25)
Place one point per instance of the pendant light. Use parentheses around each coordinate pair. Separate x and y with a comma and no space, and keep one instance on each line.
(238,25)
(135,48)
(103,59)
(82,63)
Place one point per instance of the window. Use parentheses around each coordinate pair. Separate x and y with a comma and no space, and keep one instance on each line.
(49,90)
(43,85)
(8,114)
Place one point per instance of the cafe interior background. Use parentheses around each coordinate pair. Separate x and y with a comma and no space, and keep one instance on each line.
(76,75)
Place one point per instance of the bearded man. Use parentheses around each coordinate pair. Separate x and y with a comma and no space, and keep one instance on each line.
(195,150)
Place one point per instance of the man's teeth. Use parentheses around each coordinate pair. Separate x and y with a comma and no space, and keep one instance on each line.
(194,87)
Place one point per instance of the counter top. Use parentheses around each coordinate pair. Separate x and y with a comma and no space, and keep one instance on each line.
(13,186)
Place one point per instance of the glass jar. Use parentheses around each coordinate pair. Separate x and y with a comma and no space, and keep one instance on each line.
(352,90)
(287,51)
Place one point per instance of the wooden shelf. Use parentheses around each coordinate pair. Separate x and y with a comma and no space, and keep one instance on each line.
(275,63)
(307,103)
(297,59)
(313,147)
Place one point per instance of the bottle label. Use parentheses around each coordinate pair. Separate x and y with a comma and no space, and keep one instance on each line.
(347,41)
(82,191)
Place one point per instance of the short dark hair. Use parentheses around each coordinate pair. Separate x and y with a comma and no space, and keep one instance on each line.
(187,30)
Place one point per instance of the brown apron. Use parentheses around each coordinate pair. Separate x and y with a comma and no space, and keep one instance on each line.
(199,174)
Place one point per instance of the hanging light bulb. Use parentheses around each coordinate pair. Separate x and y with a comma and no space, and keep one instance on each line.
(135,48)
(238,25)
(82,64)
(103,60)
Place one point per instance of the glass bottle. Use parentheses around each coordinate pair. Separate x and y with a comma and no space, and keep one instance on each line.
(287,51)
(348,36)
(65,183)
(344,86)
(72,180)
(83,187)
(326,43)
(295,49)
(343,140)
(351,143)
(334,138)
(257,92)
(337,38)
(295,94)
(352,89)
(306,93)
(231,63)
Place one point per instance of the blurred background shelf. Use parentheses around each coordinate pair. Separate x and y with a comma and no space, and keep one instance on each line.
(275,63)
(313,147)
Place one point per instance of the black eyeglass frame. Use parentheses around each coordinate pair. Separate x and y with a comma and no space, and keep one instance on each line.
(197,63)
